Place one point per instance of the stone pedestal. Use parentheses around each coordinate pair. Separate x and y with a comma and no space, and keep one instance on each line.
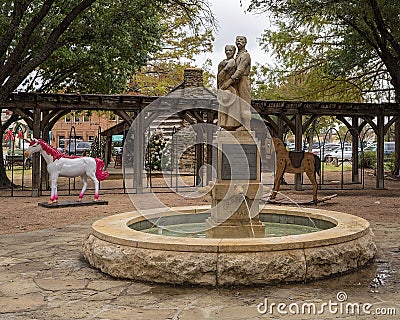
(238,189)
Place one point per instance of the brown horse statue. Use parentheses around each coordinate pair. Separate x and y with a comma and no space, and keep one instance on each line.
(295,162)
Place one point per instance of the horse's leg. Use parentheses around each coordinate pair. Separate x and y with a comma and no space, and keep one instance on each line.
(84,180)
(311,176)
(54,194)
(92,176)
(280,169)
(96,188)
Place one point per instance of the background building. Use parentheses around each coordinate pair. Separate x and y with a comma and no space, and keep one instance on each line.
(85,126)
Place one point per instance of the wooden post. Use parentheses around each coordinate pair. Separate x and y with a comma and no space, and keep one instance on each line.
(380,171)
(199,154)
(209,141)
(108,150)
(139,151)
(281,127)
(396,170)
(44,175)
(299,146)
(354,136)
(36,156)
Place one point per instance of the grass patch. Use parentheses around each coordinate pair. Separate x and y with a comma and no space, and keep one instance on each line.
(331,168)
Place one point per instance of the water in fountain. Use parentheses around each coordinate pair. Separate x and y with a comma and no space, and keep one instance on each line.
(297,205)
(196,230)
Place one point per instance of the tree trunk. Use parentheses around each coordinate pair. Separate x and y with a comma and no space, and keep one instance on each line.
(396,167)
(5,182)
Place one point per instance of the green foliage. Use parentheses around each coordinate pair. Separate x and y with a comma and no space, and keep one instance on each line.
(309,85)
(84,45)
(108,43)
(351,48)
(181,40)
(390,162)
(368,160)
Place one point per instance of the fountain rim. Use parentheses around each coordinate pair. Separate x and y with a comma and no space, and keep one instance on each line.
(115,229)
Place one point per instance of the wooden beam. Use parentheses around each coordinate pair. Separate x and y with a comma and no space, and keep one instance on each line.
(124,115)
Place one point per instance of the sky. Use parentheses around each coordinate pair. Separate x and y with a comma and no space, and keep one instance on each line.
(233,20)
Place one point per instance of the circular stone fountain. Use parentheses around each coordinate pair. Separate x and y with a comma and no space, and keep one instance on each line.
(235,250)
(118,246)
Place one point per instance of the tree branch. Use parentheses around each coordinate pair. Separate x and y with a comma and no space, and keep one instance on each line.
(17,14)
(14,60)
(380,23)
(51,44)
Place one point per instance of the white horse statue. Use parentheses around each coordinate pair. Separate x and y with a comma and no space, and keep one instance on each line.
(59,164)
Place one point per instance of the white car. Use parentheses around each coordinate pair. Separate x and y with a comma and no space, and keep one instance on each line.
(338,155)
(325,151)
(117,150)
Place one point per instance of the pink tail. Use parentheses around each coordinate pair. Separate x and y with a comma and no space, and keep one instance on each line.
(100,174)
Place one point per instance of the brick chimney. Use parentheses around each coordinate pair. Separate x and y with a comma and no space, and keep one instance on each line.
(193,78)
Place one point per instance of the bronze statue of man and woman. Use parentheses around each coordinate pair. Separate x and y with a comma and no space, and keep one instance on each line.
(234,87)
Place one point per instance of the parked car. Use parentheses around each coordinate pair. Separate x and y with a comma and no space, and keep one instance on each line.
(315,145)
(290,146)
(339,154)
(117,150)
(389,147)
(82,147)
(325,150)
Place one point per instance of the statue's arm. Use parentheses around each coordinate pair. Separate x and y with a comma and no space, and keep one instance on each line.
(226,84)
(222,65)
(225,69)
(243,66)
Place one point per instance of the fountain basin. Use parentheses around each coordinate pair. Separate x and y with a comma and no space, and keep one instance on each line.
(114,248)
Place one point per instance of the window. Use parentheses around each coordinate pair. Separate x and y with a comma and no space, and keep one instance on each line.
(61,142)
(76,117)
(86,117)
(68,118)
(90,138)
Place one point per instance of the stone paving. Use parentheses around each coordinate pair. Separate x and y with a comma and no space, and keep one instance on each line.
(44,276)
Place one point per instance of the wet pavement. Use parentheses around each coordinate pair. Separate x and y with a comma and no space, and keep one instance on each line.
(44,276)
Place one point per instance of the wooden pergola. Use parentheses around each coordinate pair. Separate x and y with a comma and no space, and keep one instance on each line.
(289,115)
(42,111)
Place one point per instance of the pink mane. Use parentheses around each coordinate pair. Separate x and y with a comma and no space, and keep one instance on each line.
(53,151)
(100,174)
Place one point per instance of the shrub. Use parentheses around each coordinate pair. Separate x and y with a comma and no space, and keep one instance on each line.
(369,160)
(389,162)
